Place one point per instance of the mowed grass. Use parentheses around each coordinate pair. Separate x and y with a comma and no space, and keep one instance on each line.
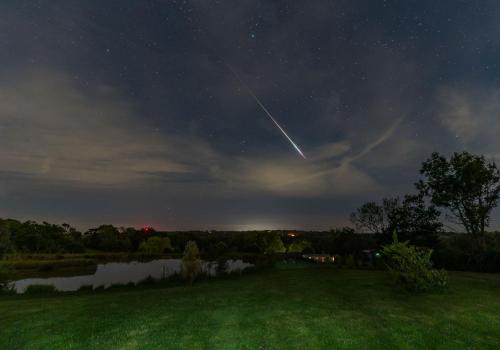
(309,308)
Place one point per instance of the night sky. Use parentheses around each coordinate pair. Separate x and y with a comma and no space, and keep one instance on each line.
(127,112)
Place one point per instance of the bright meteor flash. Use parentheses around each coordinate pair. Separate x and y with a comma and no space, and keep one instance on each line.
(267,112)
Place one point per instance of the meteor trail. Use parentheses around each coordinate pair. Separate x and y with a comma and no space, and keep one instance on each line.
(266,111)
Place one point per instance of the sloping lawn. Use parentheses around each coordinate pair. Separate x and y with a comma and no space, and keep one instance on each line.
(309,308)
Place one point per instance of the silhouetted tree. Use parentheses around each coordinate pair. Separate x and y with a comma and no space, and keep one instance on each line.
(107,238)
(414,220)
(370,217)
(410,217)
(135,237)
(466,185)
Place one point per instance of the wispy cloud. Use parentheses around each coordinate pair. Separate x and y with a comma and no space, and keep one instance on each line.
(329,171)
(51,128)
(470,114)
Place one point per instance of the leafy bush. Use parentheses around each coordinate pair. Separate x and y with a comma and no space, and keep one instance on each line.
(156,245)
(275,245)
(191,262)
(412,267)
(299,246)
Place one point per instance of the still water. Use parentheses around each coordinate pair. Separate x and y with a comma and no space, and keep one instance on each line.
(116,273)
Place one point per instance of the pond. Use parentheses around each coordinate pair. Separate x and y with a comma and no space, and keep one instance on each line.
(122,273)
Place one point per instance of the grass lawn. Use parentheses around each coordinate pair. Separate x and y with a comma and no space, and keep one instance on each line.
(309,308)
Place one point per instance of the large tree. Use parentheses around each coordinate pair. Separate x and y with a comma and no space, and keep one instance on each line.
(107,238)
(411,217)
(467,185)
(370,217)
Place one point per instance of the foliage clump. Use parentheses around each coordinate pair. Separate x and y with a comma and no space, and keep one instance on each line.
(299,246)
(191,262)
(106,238)
(412,267)
(156,245)
(274,245)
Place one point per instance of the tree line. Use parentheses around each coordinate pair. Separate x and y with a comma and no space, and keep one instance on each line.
(32,237)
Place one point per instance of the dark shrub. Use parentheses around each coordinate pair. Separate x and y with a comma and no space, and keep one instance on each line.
(5,273)
(491,262)
(350,262)
(40,289)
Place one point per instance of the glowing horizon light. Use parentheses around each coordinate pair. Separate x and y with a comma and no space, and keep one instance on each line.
(148,229)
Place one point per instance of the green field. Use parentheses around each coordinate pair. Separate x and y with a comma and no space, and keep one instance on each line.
(309,308)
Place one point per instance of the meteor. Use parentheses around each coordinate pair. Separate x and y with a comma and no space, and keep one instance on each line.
(266,111)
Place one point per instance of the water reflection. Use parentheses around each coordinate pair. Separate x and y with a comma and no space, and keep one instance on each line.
(110,274)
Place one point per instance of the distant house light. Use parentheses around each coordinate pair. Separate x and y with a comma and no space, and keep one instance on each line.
(321,258)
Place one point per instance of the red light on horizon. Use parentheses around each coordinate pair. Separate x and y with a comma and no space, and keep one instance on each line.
(148,229)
